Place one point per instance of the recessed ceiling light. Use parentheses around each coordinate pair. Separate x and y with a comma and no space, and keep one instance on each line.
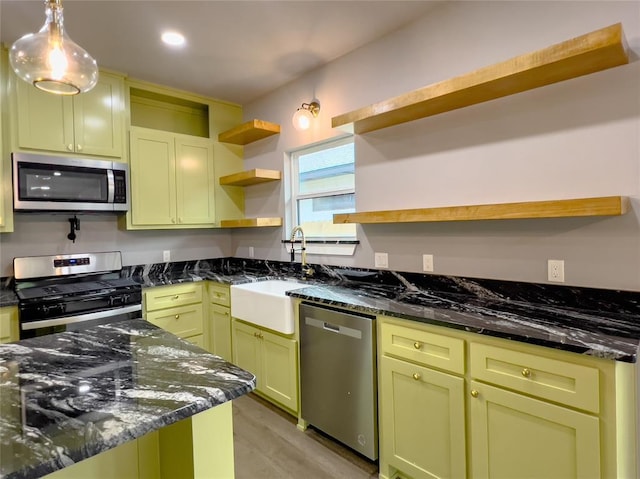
(174,39)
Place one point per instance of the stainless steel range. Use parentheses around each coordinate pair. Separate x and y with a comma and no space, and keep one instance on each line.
(72,292)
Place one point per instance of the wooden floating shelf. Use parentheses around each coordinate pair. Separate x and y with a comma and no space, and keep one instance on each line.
(590,53)
(251,223)
(250,177)
(601,206)
(249,132)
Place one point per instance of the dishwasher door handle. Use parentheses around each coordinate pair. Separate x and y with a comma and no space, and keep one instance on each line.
(331,327)
(344,330)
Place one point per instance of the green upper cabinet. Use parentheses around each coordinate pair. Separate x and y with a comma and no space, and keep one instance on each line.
(153,177)
(195,181)
(172,180)
(91,123)
(176,160)
(6,189)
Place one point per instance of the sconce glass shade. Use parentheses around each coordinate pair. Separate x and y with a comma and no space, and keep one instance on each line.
(50,60)
(304,115)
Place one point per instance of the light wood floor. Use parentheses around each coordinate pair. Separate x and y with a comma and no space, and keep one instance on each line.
(268,445)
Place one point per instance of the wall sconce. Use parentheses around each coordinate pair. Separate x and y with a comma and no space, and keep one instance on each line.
(302,117)
(50,60)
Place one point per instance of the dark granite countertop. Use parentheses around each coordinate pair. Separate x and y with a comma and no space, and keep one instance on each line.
(68,396)
(602,323)
(594,333)
(7,295)
(597,322)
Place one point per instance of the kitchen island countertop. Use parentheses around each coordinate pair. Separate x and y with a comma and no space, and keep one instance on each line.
(69,396)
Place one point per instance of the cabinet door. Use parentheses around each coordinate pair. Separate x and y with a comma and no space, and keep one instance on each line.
(195,181)
(513,435)
(99,118)
(423,420)
(279,369)
(153,194)
(9,327)
(197,340)
(220,331)
(45,121)
(246,350)
(6,205)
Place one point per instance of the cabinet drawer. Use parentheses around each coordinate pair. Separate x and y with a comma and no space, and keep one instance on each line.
(219,294)
(183,321)
(170,296)
(547,378)
(423,347)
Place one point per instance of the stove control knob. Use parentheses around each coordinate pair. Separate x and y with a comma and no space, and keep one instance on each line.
(115,300)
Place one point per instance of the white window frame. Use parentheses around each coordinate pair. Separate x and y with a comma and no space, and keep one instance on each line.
(333,246)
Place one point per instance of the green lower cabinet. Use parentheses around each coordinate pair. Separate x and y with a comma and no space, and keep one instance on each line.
(500,409)
(198,447)
(116,463)
(272,358)
(9,327)
(422,421)
(513,435)
(219,331)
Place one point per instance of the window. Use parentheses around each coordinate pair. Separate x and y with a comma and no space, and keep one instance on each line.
(323,183)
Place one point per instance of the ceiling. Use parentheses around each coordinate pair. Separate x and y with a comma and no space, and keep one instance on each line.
(236,50)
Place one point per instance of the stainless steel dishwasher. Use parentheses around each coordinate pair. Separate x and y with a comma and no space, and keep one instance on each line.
(338,388)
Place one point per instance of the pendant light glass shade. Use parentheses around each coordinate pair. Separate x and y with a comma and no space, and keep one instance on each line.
(50,60)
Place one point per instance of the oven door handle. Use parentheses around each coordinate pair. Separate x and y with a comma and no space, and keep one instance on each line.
(80,317)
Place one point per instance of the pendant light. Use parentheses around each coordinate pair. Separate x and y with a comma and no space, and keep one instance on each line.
(50,60)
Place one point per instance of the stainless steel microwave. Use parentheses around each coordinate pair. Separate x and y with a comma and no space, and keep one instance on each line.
(51,183)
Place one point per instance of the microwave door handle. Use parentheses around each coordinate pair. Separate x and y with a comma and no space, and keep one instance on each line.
(111,187)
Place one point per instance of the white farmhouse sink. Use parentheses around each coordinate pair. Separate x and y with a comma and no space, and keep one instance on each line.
(265,303)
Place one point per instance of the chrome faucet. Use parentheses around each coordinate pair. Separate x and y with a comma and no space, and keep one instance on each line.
(306,269)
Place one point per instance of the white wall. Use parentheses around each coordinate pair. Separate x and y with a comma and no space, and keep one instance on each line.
(579,138)
(42,234)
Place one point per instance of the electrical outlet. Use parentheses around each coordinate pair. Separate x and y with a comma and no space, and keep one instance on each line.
(381,260)
(166,256)
(555,270)
(427,263)
(251,252)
